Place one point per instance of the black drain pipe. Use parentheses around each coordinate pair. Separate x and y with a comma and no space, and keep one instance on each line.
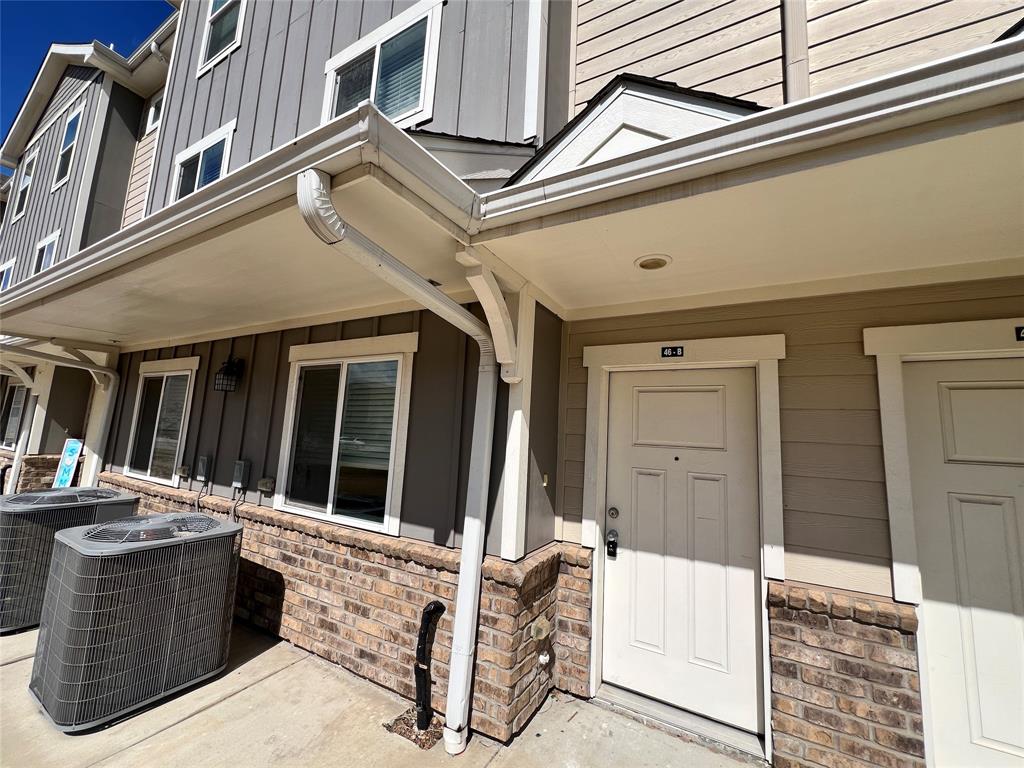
(428,622)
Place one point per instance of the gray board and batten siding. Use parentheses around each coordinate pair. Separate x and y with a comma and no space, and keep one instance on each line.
(273,83)
(833,484)
(46,211)
(249,423)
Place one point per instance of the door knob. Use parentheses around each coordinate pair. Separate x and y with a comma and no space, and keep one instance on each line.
(611,543)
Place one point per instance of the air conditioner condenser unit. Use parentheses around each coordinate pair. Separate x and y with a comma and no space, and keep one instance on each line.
(135,610)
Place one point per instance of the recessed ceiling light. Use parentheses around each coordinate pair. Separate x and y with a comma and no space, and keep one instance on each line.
(653,261)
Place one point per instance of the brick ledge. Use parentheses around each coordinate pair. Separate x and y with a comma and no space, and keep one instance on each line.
(512,574)
(865,609)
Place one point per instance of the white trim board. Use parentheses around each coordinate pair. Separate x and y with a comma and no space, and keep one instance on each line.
(759,352)
(893,346)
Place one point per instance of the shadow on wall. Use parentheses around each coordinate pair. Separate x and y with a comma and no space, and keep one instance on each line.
(259,599)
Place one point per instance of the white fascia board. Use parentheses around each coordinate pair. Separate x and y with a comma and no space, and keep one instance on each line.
(981,78)
(357,142)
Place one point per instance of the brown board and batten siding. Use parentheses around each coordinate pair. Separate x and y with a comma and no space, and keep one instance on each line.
(273,84)
(249,423)
(853,41)
(836,521)
(138,180)
(730,48)
(47,211)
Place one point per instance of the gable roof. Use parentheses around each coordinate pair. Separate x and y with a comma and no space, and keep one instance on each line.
(140,72)
(712,104)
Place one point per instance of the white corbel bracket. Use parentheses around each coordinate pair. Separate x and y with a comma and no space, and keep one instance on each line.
(19,372)
(503,332)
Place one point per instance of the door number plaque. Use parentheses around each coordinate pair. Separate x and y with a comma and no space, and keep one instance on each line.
(671,351)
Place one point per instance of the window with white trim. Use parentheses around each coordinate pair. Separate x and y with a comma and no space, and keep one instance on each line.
(46,253)
(394,67)
(344,445)
(67,147)
(6,275)
(156,108)
(161,414)
(223,31)
(15,397)
(202,163)
(24,185)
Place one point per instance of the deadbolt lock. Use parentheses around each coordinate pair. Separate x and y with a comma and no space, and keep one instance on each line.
(613,512)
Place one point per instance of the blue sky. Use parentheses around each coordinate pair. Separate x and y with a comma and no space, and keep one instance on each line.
(27,27)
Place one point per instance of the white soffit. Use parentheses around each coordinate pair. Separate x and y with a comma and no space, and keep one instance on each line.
(631,117)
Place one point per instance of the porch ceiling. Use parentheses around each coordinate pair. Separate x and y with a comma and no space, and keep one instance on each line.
(263,269)
(943,204)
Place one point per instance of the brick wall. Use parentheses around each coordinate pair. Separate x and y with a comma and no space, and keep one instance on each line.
(37,471)
(355,598)
(845,685)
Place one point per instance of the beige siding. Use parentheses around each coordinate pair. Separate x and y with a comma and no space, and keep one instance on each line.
(731,48)
(836,523)
(853,42)
(138,181)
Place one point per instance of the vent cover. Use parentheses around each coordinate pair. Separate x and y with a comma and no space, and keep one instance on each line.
(152,528)
(28,522)
(134,610)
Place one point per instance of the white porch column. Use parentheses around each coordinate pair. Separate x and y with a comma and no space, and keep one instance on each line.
(97,425)
(516,474)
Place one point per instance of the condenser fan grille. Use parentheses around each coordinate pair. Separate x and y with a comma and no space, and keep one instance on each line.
(153,528)
(59,496)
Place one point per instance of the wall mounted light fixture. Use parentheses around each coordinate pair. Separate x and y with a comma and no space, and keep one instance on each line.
(229,376)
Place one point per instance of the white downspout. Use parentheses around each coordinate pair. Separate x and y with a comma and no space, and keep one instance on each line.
(317,208)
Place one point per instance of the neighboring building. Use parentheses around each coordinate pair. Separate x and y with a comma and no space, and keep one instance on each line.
(690,334)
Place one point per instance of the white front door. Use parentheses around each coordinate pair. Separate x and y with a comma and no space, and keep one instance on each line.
(965,424)
(681,595)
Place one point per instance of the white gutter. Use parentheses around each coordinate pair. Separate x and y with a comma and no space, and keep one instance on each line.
(317,208)
(967,82)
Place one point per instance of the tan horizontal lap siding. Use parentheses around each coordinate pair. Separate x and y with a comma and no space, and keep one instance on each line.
(853,42)
(836,522)
(730,47)
(138,182)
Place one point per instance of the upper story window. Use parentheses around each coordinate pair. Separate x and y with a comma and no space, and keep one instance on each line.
(394,67)
(10,418)
(161,414)
(223,31)
(202,163)
(67,148)
(24,184)
(345,428)
(46,253)
(6,275)
(153,113)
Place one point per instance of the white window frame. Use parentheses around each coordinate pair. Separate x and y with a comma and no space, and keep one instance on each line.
(152,125)
(58,183)
(32,157)
(399,347)
(429,9)
(4,268)
(53,237)
(205,66)
(162,368)
(225,132)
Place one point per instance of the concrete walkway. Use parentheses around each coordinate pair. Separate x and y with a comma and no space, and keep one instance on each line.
(279,706)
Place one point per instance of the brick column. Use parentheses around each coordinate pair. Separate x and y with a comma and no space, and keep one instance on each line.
(845,684)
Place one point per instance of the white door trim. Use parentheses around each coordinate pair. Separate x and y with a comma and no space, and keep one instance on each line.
(759,352)
(893,346)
